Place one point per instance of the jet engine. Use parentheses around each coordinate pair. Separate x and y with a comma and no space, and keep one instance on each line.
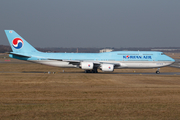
(107,67)
(87,65)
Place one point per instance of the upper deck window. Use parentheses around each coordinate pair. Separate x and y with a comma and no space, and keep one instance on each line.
(162,54)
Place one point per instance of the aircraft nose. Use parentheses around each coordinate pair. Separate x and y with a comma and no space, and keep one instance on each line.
(170,59)
(173,60)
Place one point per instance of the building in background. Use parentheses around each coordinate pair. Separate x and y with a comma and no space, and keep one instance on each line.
(105,50)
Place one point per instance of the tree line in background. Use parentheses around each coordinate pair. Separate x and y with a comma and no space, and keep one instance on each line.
(4,49)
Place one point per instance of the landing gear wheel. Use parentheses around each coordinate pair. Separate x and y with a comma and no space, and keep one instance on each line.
(157,72)
(87,71)
(91,71)
(95,71)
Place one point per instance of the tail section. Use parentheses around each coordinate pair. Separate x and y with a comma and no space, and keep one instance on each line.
(17,43)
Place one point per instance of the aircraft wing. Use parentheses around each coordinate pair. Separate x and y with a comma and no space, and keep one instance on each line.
(78,62)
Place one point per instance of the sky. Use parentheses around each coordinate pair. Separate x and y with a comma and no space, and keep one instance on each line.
(92,23)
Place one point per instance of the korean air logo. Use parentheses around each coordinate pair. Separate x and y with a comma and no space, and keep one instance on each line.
(136,57)
(17,43)
(89,65)
(109,67)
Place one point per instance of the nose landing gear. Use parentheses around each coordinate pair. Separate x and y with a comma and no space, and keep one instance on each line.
(157,72)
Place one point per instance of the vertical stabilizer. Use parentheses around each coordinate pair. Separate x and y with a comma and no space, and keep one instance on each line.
(17,43)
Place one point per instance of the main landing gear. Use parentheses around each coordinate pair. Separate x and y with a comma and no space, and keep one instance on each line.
(157,72)
(91,71)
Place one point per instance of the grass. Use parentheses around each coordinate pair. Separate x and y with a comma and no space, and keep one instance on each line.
(78,96)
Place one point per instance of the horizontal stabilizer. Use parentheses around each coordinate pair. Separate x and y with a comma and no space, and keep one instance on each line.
(19,55)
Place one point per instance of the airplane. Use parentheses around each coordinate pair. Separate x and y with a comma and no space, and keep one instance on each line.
(90,62)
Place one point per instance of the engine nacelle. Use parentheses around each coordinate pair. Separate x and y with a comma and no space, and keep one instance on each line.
(87,65)
(107,67)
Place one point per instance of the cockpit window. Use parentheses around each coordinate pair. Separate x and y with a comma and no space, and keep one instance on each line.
(162,54)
